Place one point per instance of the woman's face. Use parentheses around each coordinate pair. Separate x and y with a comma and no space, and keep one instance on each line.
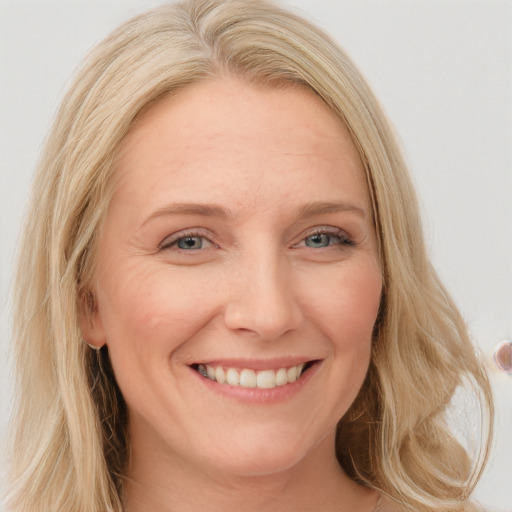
(237,279)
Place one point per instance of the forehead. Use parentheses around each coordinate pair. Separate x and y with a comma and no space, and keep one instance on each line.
(225,129)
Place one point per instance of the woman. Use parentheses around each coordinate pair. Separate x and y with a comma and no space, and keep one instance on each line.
(223,286)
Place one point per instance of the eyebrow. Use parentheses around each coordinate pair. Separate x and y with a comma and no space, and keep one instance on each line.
(213,210)
(205,210)
(320,208)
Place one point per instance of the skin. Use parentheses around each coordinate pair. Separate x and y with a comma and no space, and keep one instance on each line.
(283,268)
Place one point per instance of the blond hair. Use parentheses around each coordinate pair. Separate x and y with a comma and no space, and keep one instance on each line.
(70,446)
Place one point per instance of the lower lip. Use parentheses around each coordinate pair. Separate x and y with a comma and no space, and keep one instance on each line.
(258,395)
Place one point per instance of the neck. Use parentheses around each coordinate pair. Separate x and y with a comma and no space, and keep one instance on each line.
(165,482)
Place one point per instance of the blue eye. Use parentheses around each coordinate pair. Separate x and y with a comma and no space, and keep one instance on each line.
(319,240)
(186,241)
(190,242)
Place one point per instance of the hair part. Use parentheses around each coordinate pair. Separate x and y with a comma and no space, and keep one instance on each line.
(70,447)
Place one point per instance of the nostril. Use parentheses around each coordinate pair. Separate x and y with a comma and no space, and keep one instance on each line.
(264,306)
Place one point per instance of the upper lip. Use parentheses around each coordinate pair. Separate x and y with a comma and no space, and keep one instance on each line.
(256,364)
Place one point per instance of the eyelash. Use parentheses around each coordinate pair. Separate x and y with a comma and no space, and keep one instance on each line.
(170,242)
(341,236)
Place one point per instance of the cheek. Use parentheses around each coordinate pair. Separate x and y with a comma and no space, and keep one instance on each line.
(151,310)
(357,304)
(147,317)
(348,304)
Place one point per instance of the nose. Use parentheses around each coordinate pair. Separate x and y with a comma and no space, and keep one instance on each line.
(262,301)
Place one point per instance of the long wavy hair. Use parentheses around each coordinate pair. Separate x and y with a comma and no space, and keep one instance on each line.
(70,446)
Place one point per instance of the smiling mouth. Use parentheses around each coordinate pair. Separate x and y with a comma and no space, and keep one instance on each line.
(248,378)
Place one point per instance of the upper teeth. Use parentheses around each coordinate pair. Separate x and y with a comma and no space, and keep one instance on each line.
(265,379)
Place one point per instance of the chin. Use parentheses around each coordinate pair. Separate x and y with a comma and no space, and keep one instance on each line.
(257,464)
(262,453)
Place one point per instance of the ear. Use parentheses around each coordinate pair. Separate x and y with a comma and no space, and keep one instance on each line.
(91,325)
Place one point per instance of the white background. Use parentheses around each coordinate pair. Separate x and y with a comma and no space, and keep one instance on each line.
(442,69)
